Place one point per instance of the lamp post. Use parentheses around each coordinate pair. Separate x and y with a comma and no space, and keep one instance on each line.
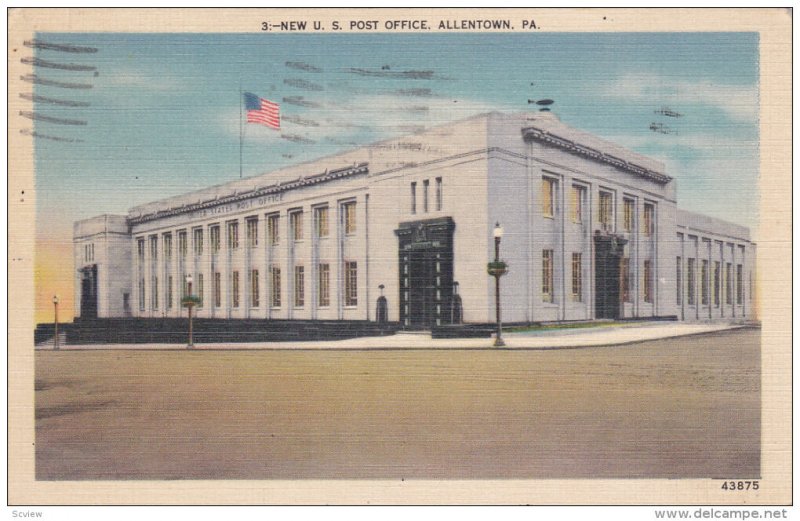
(189,303)
(55,308)
(497,269)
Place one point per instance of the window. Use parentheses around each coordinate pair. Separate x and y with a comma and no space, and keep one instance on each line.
(425,186)
(153,248)
(254,296)
(169,291)
(413,197)
(198,241)
(276,287)
(154,293)
(299,286)
(548,196)
(628,213)
(649,219)
(576,204)
(324,285)
(182,246)
(728,283)
(154,276)
(235,288)
(625,276)
(690,275)
(350,283)
(577,269)
(167,247)
(739,285)
(217,289)
(678,281)
(296,224)
(606,210)
(321,226)
(233,235)
(214,232)
(273,230)
(717,285)
(547,275)
(140,255)
(438,194)
(349,210)
(704,282)
(648,281)
(88,252)
(200,289)
(252,232)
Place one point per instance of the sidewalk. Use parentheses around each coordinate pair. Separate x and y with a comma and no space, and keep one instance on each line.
(537,339)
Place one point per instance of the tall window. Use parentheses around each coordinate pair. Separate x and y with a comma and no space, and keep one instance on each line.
(252,232)
(728,283)
(606,210)
(296,224)
(299,286)
(690,284)
(154,276)
(547,275)
(255,301)
(649,219)
(548,196)
(438,194)
(349,210)
(214,232)
(235,288)
(625,275)
(217,289)
(628,213)
(198,241)
(576,204)
(182,246)
(169,291)
(233,235)
(275,297)
(678,281)
(167,247)
(273,230)
(577,283)
(200,292)
(321,226)
(717,285)
(425,185)
(648,281)
(140,255)
(739,285)
(324,285)
(704,282)
(350,283)
(414,197)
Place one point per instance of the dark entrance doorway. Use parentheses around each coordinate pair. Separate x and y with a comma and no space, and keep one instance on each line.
(89,291)
(426,272)
(609,250)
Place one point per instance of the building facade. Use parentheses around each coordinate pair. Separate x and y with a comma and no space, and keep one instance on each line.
(592,231)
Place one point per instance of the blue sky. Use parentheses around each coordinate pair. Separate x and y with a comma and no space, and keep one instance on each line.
(164,108)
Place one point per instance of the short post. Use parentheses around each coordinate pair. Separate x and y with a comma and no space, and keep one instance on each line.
(55,307)
(497,269)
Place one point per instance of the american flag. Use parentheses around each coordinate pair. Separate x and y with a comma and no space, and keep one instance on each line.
(262,111)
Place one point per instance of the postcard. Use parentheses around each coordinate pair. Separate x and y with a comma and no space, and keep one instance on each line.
(408,256)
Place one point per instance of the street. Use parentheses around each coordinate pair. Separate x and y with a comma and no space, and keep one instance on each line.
(671,408)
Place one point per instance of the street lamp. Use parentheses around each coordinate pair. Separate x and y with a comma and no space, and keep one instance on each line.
(497,269)
(189,301)
(55,307)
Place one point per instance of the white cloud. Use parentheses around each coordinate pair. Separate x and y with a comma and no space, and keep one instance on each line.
(739,102)
(127,77)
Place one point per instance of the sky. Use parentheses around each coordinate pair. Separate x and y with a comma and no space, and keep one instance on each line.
(163,114)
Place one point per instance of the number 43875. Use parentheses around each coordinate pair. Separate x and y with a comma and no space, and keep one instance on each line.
(740,485)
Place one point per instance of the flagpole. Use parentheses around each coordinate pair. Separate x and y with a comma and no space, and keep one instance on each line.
(241,129)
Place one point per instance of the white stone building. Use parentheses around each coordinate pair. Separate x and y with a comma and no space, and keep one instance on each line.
(591,231)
